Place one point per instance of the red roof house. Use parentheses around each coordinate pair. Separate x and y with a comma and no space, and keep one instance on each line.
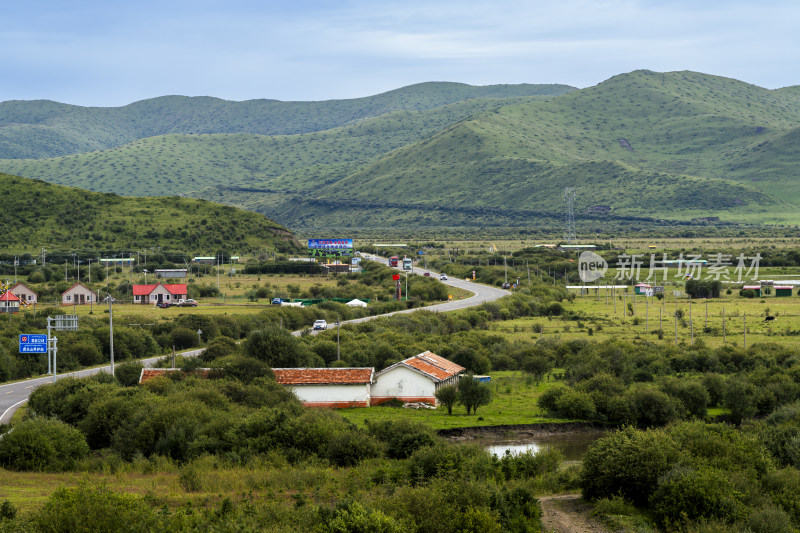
(328,387)
(415,379)
(159,292)
(9,303)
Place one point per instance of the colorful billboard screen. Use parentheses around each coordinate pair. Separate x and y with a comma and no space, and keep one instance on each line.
(330,247)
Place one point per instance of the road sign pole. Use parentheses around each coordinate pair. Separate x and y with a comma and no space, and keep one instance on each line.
(49,367)
(55,351)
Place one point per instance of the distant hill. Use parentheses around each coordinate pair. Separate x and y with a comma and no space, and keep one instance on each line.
(642,146)
(39,214)
(37,129)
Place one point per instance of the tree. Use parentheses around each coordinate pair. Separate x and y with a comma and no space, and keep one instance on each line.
(472,393)
(275,346)
(447,396)
(538,366)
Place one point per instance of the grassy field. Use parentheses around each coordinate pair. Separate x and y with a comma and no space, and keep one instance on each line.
(514,397)
(702,320)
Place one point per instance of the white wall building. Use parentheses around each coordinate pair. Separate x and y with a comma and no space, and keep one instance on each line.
(415,379)
(328,387)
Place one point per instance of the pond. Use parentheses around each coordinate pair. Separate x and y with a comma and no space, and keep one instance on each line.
(572,445)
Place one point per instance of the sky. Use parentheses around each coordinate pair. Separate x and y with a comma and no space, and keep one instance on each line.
(112,52)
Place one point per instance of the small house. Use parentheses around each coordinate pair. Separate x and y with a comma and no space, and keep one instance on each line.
(78,294)
(25,294)
(9,303)
(356,303)
(171,272)
(754,288)
(415,379)
(159,292)
(642,288)
(328,387)
(783,290)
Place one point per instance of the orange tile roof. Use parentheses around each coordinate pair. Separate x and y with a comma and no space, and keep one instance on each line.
(150,373)
(432,365)
(322,376)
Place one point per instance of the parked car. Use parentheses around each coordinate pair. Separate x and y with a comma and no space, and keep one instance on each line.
(187,303)
(443,277)
(320,324)
(163,305)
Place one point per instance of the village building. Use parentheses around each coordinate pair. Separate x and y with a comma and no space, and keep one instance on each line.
(328,387)
(783,290)
(171,272)
(159,292)
(25,294)
(415,379)
(9,303)
(78,294)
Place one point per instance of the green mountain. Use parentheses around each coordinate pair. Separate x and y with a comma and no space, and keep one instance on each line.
(40,214)
(639,147)
(37,129)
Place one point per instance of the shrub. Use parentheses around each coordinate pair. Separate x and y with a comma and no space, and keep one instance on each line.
(354,518)
(128,373)
(628,462)
(349,447)
(686,493)
(549,398)
(653,407)
(575,404)
(94,509)
(401,437)
(42,444)
(275,346)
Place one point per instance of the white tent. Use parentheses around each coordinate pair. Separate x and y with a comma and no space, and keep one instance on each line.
(356,303)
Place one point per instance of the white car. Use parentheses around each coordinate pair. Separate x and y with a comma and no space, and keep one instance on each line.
(443,277)
(320,324)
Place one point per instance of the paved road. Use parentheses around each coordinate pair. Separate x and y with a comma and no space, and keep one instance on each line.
(13,395)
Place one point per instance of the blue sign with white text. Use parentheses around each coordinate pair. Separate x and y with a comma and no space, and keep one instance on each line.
(32,343)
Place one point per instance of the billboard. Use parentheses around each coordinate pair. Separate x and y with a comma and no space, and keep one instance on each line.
(330,248)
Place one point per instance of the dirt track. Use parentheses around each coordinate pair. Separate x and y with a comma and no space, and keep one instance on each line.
(568,513)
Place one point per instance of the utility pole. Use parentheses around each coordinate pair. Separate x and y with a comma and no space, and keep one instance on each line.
(744,330)
(111,331)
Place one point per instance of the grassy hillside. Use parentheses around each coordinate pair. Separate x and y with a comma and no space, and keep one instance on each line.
(185,164)
(37,129)
(40,214)
(676,145)
(642,146)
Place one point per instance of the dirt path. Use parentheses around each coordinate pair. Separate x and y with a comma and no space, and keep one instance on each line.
(568,513)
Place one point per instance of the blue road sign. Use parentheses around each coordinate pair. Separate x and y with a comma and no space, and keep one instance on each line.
(32,343)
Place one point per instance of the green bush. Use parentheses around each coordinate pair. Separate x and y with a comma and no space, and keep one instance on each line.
(128,373)
(354,518)
(275,346)
(42,444)
(94,509)
(628,462)
(350,447)
(689,494)
(401,437)
(575,404)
